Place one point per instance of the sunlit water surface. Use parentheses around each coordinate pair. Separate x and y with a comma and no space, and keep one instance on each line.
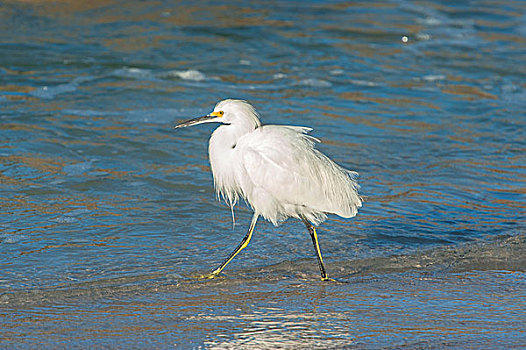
(108,214)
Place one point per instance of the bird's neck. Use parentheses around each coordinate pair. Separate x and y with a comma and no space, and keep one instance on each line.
(228,135)
(224,161)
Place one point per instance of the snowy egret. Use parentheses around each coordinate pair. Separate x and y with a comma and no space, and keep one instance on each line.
(277,170)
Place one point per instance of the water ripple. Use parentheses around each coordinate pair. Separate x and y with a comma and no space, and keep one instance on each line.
(106,211)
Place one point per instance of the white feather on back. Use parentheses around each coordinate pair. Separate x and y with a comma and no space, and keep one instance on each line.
(288,177)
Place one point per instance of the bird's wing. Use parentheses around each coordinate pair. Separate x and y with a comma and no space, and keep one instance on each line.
(281,161)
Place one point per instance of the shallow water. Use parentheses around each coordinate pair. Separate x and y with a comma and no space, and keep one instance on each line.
(108,214)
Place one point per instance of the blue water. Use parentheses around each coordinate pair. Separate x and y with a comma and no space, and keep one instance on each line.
(107,214)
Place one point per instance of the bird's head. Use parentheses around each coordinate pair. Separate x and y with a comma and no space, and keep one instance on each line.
(238,113)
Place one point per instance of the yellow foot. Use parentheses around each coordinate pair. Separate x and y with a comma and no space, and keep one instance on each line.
(331,280)
(209,276)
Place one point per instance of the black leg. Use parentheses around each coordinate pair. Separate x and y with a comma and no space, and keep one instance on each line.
(314,237)
(239,248)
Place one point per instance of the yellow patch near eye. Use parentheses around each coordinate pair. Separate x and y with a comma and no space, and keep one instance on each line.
(217,114)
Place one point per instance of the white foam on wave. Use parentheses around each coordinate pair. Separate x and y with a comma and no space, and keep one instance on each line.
(433,77)
(64,220)
(49,92)
(336,72)
(362,82)
(190,74)
(315,82)
(132,72)
(423,36)
(9,238)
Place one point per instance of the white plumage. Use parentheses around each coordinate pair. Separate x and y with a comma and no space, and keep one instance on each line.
(277,170)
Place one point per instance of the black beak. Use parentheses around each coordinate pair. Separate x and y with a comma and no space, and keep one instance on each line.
(195,121)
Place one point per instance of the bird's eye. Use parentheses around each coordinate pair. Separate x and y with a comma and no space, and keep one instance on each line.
(221,113)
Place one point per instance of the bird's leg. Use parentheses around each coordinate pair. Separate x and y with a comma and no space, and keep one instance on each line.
(314,238)
(239,248)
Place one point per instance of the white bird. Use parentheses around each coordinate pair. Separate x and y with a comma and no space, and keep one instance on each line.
(277,170)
